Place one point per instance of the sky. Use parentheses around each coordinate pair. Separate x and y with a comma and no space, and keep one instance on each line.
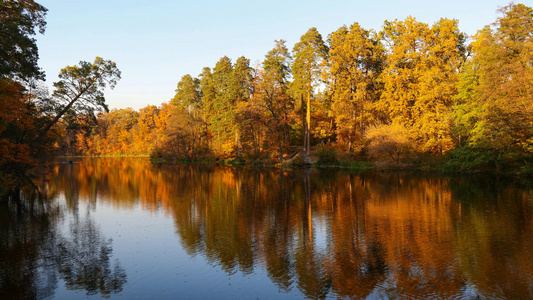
(156,42)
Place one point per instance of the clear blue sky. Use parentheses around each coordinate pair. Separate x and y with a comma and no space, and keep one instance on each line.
(156,42)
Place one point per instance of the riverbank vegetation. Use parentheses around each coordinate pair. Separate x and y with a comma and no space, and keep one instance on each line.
(410,95)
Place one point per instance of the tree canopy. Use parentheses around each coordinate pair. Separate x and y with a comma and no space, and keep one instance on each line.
(81,87)
(18,49)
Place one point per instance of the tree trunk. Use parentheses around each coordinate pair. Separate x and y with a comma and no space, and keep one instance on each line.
(304,125)
(66,108)
(280,150)
(308,123)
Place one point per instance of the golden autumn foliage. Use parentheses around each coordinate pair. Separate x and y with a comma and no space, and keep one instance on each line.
(118,132)
(382,96)
(392,142)
(356,58)
(420,78)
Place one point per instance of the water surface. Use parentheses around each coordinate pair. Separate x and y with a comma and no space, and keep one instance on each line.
(124,228)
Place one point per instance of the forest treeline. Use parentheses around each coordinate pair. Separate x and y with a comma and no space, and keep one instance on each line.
(408,93)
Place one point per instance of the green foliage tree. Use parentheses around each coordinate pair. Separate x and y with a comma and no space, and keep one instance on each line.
(186,127)
(308,54)
(81,88)
(494,106)
(240,91)
(18,48)
(221,115)
(271,96)
(222,90)
(241,83)
(188,93)
(467,109)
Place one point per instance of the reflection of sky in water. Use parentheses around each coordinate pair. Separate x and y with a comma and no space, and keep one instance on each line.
(321,234)
(149,250)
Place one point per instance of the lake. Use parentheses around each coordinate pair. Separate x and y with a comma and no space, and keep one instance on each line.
(125,228)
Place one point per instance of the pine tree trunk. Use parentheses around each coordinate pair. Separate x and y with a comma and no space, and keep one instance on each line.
(308,123)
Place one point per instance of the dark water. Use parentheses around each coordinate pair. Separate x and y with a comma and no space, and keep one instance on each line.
(122,228)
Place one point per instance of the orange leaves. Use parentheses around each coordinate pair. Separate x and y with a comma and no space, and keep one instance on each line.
(14,106)
(15,121)
(121,131)
(11,153)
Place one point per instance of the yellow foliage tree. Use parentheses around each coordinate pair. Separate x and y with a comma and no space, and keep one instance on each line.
(420,78)
(355,61)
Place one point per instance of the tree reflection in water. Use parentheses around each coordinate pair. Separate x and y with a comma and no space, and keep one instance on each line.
(35,254)
(83,260)
(321,233)
(27,234)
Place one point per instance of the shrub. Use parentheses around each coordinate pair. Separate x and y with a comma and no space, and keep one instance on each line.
(298,161)
(392,142)
(326,154)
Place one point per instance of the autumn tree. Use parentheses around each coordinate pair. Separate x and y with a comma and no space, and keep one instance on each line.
(271,104)
(124,131)
(27,125)
(308,55)
(389,142)
(146,130)
(251,119)
(121,130)
(16,123)
(75,132)
(183,139)
(420,78)
(19,21)
(355,62)
(446,46)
